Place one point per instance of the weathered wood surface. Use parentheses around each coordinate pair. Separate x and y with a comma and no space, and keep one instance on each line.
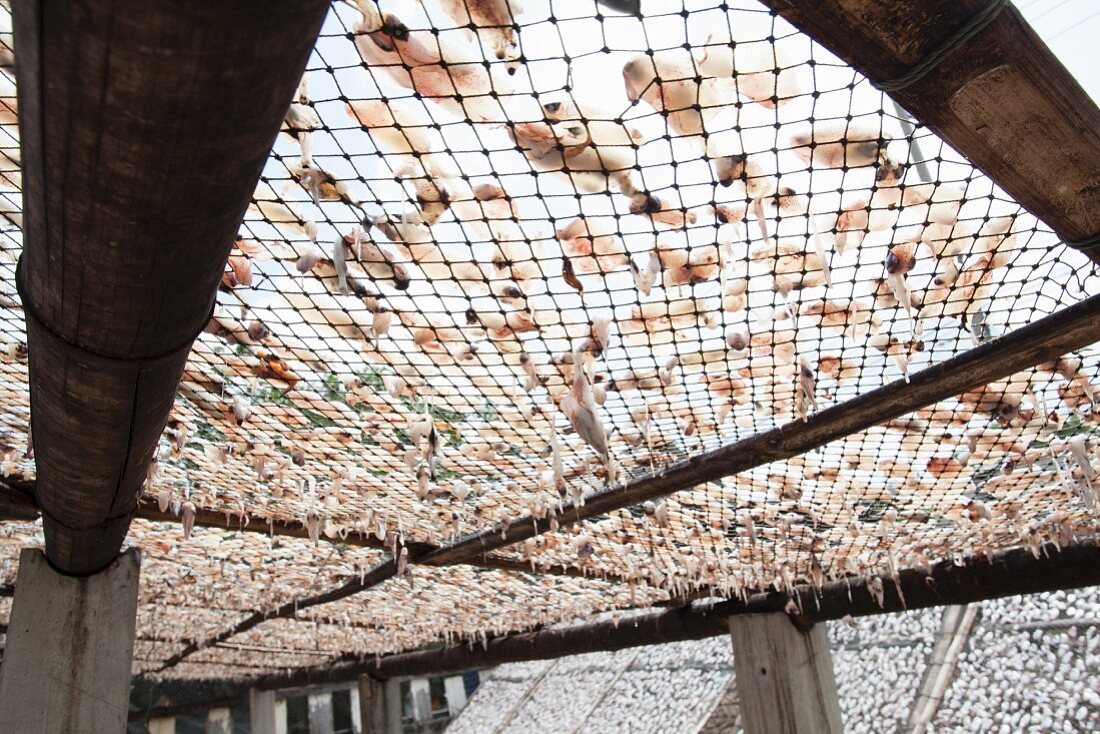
(1003,99)
(162,726)
(144,128)
(68,648)
(219,721)
(262,714)
(379,705)
(1009,573)
(320,713)
(785,676)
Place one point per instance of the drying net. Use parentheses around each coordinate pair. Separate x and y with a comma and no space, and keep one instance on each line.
(501,259)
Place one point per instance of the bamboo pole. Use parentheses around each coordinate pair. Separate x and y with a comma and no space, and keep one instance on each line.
(1071,328)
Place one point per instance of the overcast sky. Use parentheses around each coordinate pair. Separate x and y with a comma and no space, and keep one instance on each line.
(1070,28)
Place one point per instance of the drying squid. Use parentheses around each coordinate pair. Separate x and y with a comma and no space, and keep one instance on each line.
(378,263)
(282,214)
(806,389)
(901,259)
(767,72)
(402,127)
(514,252)
(593,245)
(645,277)
(686,265)
(495,22)
(437,66)
(839,145)
(580,408)
(670,82)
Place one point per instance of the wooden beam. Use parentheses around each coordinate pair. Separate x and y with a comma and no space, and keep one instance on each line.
(17,502)
(1072,328)
(144,127)
(1008,573)
(1002,99)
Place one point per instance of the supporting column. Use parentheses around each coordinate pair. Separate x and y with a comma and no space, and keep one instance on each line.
(263,713)
(784,675)
(455,689)
(280,716)
(320,713)
(421,694)
(380,705)
(356,721)
(162,726)
(69,646)
(219,721)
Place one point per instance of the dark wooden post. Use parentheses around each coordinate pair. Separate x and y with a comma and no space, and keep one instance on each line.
(144,127)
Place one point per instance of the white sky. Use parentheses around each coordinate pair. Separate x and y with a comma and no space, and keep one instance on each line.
(1070,28)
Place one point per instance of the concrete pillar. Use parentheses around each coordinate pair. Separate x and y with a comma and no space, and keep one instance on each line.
(69,647)
(784,676)
(421,693)
(356,721)
(320,714)
(219,721)
(264,713)
(162,726)
(455,690)
(280,716)
(380,705)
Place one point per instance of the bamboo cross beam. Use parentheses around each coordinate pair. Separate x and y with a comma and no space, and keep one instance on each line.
(17,503)
(1070,329)
(176,105)
(1007,573)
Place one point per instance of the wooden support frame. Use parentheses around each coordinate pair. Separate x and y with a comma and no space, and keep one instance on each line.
(1009,573)
(1071,328)
(1010,59)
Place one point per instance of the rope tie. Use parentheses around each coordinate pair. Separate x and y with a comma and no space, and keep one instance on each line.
(972,28)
